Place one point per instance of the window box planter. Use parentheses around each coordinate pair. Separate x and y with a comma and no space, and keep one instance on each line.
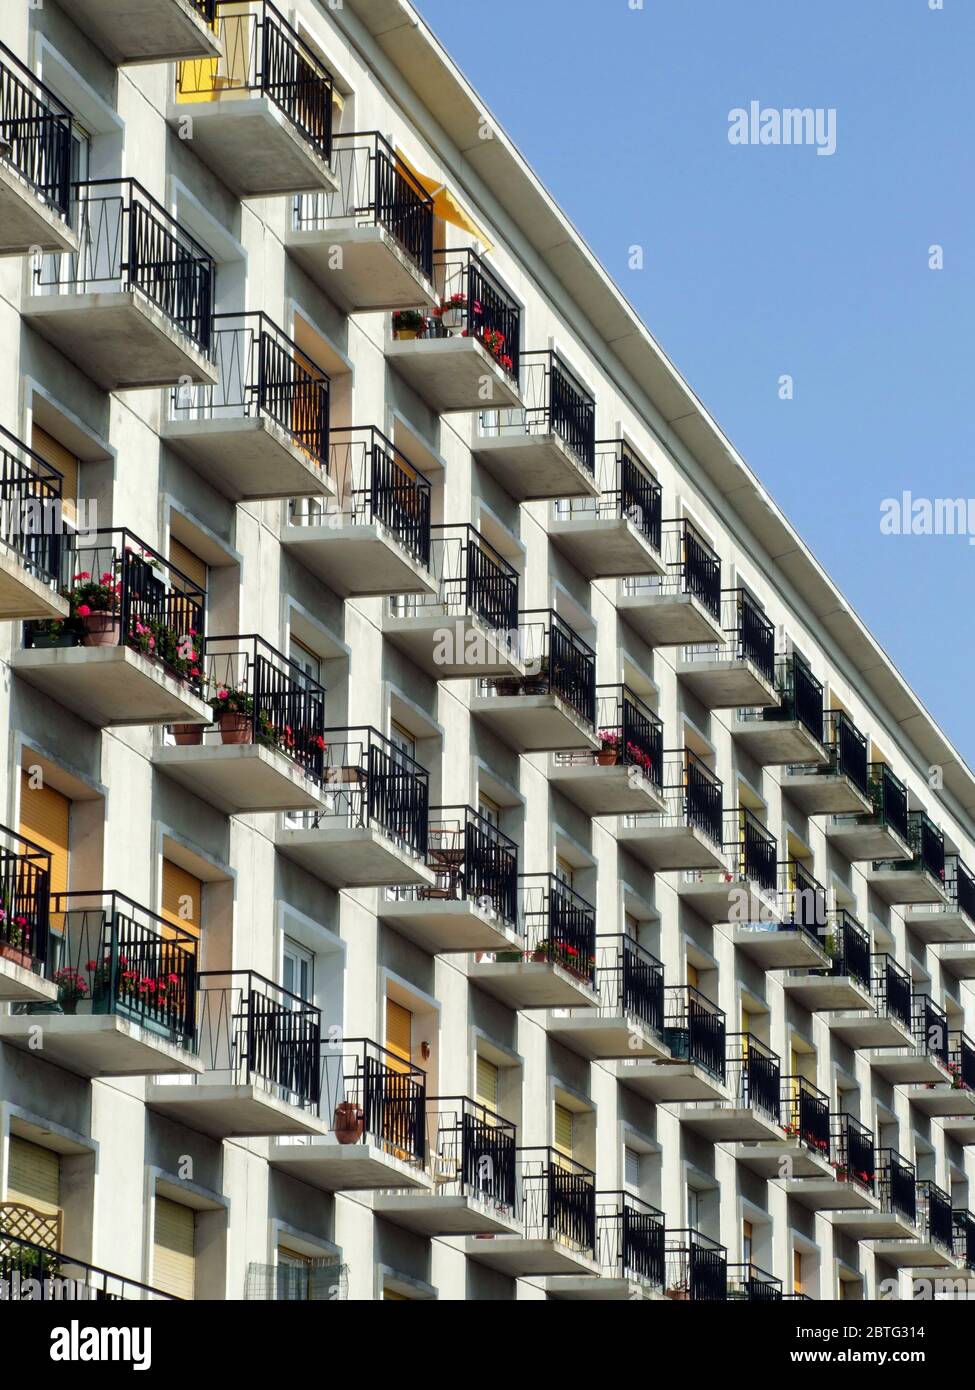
(15,954)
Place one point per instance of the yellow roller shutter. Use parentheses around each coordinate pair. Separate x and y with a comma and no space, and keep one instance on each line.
(174,1249)
(563,1130)
(33,1176)
(182,898)
(189,563)
(399,1032)
(44,818)
(487,1079)
(67,464)
(392,1296)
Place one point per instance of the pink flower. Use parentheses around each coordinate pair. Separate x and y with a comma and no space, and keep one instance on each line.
(107,577)
(222,693)
(83,610)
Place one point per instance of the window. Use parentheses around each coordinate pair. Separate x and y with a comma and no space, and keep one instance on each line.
(174,1249)
(747,1241)
(489,810)
(693,1209)
(402,739)
(67,464)
(306,660)
(487,1083)
(34,1187)
(796,1272)
(564,872)
(44,818)
(564,1127)
(298,972)
(693,979)
(182,898)
(188,563)
(631,1169)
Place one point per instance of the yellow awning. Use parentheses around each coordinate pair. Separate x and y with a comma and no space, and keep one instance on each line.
(445,205)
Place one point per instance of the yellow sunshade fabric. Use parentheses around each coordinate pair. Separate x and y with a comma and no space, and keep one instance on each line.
(445,205)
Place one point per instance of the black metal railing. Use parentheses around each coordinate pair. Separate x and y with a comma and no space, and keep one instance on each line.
(934,1216)
(847,749)
(960,886)
(262,374)
(252,1031)
(558,925)
(25,893)
(371,1095)
(848,946)
(32,1273)
(963,1236)
(375,189)
(556,402)
(702,796)
(751,637)
(930,1027)
(473,860)
(694,1028)
(30,509)
(889,797)
(892,990)
(928,845)
(693,568)
(369,782)
(557,662)
(128,241)
(800,696)
(471,1151)
(897,1184)
(749,1284)
(630,982)
(804,1114)
(627,489)
(109,955)
(262,53)
(629,728)
(853,1152)
(804,901)
(255,688)
(696,1267)
(136,596)
(475,304)
(630,1239)
(753,1074)
(472,578)
(557,1198)
(753,851)
(207,9)
(961,1061)
(35,132)
(376,484)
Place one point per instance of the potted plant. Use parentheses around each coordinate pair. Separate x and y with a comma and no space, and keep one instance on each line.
(348,1122)
(609,753)
(101,982)
(71,989)
(15,940)
(233,711)
(409,323)
(186,734)
(452,312)
(95,603)
(54,632)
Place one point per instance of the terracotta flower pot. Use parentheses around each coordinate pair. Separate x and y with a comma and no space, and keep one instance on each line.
(186,734)
(15,954)
(348,1122)
(404,335)
(101,629)
(607,757)
(235,728)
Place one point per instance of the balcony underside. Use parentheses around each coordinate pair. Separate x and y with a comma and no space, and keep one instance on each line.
(251,146)
(946,926)
(670,620)
(828,1194)
(119,339)
(726,1123)
(357,561)
(618,790)
(604,547)
(248,460)
(19,984)
(907,1066)
(534,723)
(144,31)
(603,1036)
(771,1160)
(859,840)
(867,1029)
(23,595)
(451,648)
(98,1045)
(873,1224)
(110,686)
(940,1101)
(824,794)
(669,1082)
(777,742)
(826,993)
(26,221)
(534,467)
(670,848)
(526,1258)
(334,1167)
(374,272)
(531,984)
(239,779)
(959,1128)
(912,1254)
(724,901)
(775,947)
(353,857)
(721,684)
(453,374)
(607,1288)
(902,886)
(444,926)
(435,1214)
(231,1112)
(959,960)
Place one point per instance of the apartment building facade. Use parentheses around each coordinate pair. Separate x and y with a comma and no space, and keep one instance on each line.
(458,843)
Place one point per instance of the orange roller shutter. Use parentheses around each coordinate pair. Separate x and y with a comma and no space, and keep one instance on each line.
(44,818)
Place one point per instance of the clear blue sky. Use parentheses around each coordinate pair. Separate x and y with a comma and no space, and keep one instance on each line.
(772,260)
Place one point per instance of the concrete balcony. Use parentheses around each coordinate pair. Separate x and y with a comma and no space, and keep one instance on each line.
(839,787)
(625,776)
(739,673)
(926,1060)
(128,667)
(960,1128)
(25,940)
(629,1250)
(258,1072)
(682,606)
(799,939)
(628,1019)
(793,731)
(918,879)
(752,1114)
(956,1100)
(30,557)
(617,533)
(262,431)
(844,983)
(746,888)
(958,959)
(953,922)
(146,31)
(35,145)
(554,967)
(544,448)
(695,1070)
(553,706)
(368,243)
(104,1021)
(127,318)
(687,833)
(851,1184)
(932,1246)
(801,1146)
(373,830)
